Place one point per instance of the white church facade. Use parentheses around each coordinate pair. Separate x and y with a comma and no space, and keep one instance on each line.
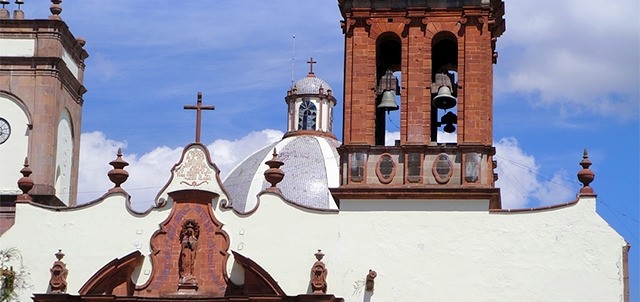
(307,218)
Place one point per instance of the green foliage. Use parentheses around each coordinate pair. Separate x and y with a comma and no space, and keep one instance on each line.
(11,281)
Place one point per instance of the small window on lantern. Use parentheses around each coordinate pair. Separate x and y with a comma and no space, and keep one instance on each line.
(307,114)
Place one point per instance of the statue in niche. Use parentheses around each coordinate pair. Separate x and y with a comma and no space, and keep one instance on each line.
(188,248)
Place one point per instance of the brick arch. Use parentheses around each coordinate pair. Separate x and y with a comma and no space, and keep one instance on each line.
(114,278)
(378,29)
(434,28)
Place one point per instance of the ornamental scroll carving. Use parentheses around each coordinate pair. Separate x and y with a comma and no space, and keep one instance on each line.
(58,280)
(194,169)
(188,249)
(319,275)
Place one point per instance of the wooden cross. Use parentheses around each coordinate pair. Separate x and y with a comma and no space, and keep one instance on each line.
(198,107)
(311,62)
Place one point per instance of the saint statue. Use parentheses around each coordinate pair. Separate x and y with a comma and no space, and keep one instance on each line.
(188,248)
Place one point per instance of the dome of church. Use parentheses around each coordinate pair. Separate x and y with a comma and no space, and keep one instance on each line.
(311,85)
(311,167)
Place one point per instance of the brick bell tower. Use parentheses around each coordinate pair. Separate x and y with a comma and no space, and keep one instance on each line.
(432,61)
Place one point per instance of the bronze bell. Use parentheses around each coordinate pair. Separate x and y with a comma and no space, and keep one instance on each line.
(448,120)
(444,99)
(388,101)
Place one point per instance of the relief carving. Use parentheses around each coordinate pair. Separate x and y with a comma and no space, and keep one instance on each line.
(58,281)
(319,275)
(194,169)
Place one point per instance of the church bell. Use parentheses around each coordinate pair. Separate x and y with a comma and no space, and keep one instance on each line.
(388,102)
(444,99)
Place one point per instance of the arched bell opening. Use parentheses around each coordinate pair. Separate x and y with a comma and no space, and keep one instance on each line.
(388,71)
(444,88)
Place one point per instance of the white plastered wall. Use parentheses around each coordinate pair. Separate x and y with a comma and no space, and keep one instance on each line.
(14,150)
(436,250)
(90,237)
(440,250)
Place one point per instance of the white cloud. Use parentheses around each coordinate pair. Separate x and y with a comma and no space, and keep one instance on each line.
(149,172)
(227,154)
(573,55)
(519,179)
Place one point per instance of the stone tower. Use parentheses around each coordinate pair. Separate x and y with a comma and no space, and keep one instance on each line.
(432,60)
(41,88)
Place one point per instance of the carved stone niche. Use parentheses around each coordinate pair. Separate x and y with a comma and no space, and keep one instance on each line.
(472,167)
(188,251)
(357,166)
(414,167)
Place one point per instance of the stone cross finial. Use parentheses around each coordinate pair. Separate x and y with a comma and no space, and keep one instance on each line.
(199,107)
(311,62)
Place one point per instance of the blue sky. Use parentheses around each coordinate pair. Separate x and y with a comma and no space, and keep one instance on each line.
(567,78)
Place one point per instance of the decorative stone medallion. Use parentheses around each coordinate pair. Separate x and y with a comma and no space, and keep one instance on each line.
(442,168)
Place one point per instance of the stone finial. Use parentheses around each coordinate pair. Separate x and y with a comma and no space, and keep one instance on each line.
(18,14)
(81,41)
(369,283)
(25,183)
(586,175)
(118,175)
(58,280)
(319,275)
(274,174)
(55,10)
(4,12)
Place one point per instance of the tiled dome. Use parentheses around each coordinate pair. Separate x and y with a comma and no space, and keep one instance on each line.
(311,167)
(311,85)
